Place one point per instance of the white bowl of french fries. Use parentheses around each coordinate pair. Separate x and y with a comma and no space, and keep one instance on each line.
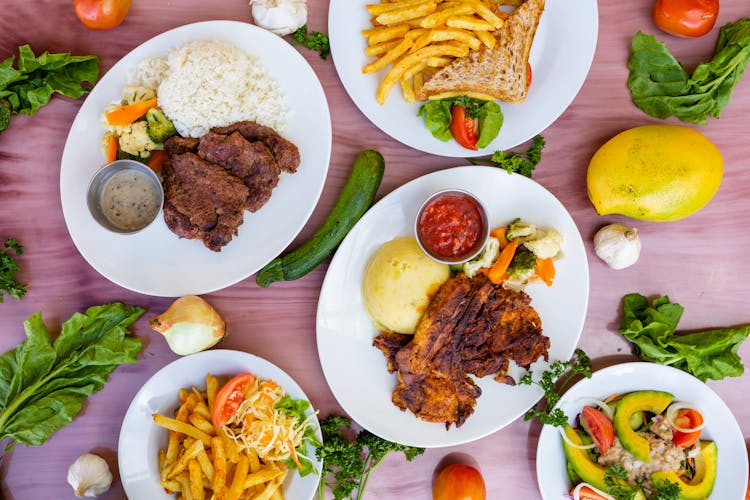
(169,448)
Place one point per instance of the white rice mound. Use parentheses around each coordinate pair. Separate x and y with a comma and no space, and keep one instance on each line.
(206,84)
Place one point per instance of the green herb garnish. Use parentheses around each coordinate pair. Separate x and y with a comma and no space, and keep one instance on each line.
(523,162)
(313,40)
(9,268)
(666,491)
(615,480)
(348,463)
(545,412)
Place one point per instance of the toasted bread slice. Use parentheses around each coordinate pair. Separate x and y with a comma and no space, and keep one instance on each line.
(500,72)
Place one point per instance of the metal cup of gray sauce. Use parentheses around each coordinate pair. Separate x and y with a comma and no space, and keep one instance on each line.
(125,196)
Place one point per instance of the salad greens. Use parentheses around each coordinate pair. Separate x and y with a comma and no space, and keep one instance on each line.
(348,463)
(313,40)
(297,409)
(523,162)
(30,85)
(437,116)
(579,364)
(43,383)
(661,87)
(710,354)
(9,268)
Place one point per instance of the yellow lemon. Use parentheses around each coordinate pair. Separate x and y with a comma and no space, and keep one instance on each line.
(654,172)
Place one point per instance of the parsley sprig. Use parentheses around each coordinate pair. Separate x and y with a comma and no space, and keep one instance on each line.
(523,162)
(348,463)
(313,40)
(615,481)
(545,412)
(9,268)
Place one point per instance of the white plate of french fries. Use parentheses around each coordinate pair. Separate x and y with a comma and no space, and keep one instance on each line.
(560,57)
(154,461)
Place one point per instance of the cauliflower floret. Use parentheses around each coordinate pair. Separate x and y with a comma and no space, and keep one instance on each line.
(545,244)
(486,258)
(135,140)
(136,93)
(519,229)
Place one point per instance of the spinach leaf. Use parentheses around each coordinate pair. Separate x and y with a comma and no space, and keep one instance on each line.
(661,87)
(43,384)
(710,354)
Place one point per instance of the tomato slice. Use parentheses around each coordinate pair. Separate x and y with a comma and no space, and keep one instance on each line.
(459,482)
(230,397)
(528,74)
(465,130)
(686,18)
(687,418)
(599,427)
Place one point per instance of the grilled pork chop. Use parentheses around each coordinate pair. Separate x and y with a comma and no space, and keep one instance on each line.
(470,327)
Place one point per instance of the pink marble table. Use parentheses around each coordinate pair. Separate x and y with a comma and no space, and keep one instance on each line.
(701,261)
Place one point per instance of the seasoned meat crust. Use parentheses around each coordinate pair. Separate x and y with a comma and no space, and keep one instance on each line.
(209,182)
(471,327)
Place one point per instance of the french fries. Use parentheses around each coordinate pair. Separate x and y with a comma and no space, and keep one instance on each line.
(416,37)
(201,462)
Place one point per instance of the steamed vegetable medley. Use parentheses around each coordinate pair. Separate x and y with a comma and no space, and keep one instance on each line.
(640,446)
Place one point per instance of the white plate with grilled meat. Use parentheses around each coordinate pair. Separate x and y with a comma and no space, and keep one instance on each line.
(560,59)
(156,261)
(720,424)
(356,371)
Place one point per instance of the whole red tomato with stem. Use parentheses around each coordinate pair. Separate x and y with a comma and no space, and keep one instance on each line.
(686,18)
(101,14)
(459,482)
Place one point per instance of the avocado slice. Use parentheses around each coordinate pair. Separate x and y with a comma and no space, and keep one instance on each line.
(639,401)
(702,484)
(637,420)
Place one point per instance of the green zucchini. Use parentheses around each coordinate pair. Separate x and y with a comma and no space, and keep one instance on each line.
(355,198)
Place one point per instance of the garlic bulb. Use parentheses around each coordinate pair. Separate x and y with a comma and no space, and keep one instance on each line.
(617,245)
(279,16)
(89,476)
(190,325)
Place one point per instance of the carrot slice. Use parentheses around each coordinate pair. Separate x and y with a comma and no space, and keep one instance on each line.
(496,273)
(500,233)
(111,148)
(157,160)
(128,114)
(545,269)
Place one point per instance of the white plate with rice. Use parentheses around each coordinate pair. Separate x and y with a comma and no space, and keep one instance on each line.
(267,81)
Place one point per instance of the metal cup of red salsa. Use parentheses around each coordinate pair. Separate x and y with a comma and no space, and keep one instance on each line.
(452,226)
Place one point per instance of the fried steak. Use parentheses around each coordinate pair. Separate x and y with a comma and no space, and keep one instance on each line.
(471,327)
(209,182)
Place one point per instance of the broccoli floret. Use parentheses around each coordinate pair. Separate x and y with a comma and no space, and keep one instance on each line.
(136,141)
(519,229)
(160,128)
(523,265)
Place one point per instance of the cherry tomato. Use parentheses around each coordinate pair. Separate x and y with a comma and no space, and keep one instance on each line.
(101,14)
(465,130)
(528,74)
(686,18)
(687,418)
(599,427)
(587,493)
(230,397)
(459,482)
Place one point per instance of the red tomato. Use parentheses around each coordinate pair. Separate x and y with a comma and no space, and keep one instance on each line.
(687,418)
(459,482)
(587,493)
(599,427)
(101,14)
(687,18)
(528,74)
(230,397)
(465,130)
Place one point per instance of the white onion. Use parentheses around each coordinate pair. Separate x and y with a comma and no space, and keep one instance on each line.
(577,492)
(601,404)
(571,443)
(671,414)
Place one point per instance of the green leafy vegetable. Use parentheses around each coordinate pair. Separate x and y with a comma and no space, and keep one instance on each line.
(522,162)
(43,384)
(30,85)
(615,480)
(9,268)
(348,463)
(661,87)
(437,117)
(710,354)
(313,40)
(297,409)
(666,491)
(546,413)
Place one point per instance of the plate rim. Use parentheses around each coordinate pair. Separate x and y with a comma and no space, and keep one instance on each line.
(192,33)
(393,194)
(613,371)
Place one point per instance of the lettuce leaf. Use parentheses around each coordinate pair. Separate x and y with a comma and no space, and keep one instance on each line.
(710,354)
(43,384)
